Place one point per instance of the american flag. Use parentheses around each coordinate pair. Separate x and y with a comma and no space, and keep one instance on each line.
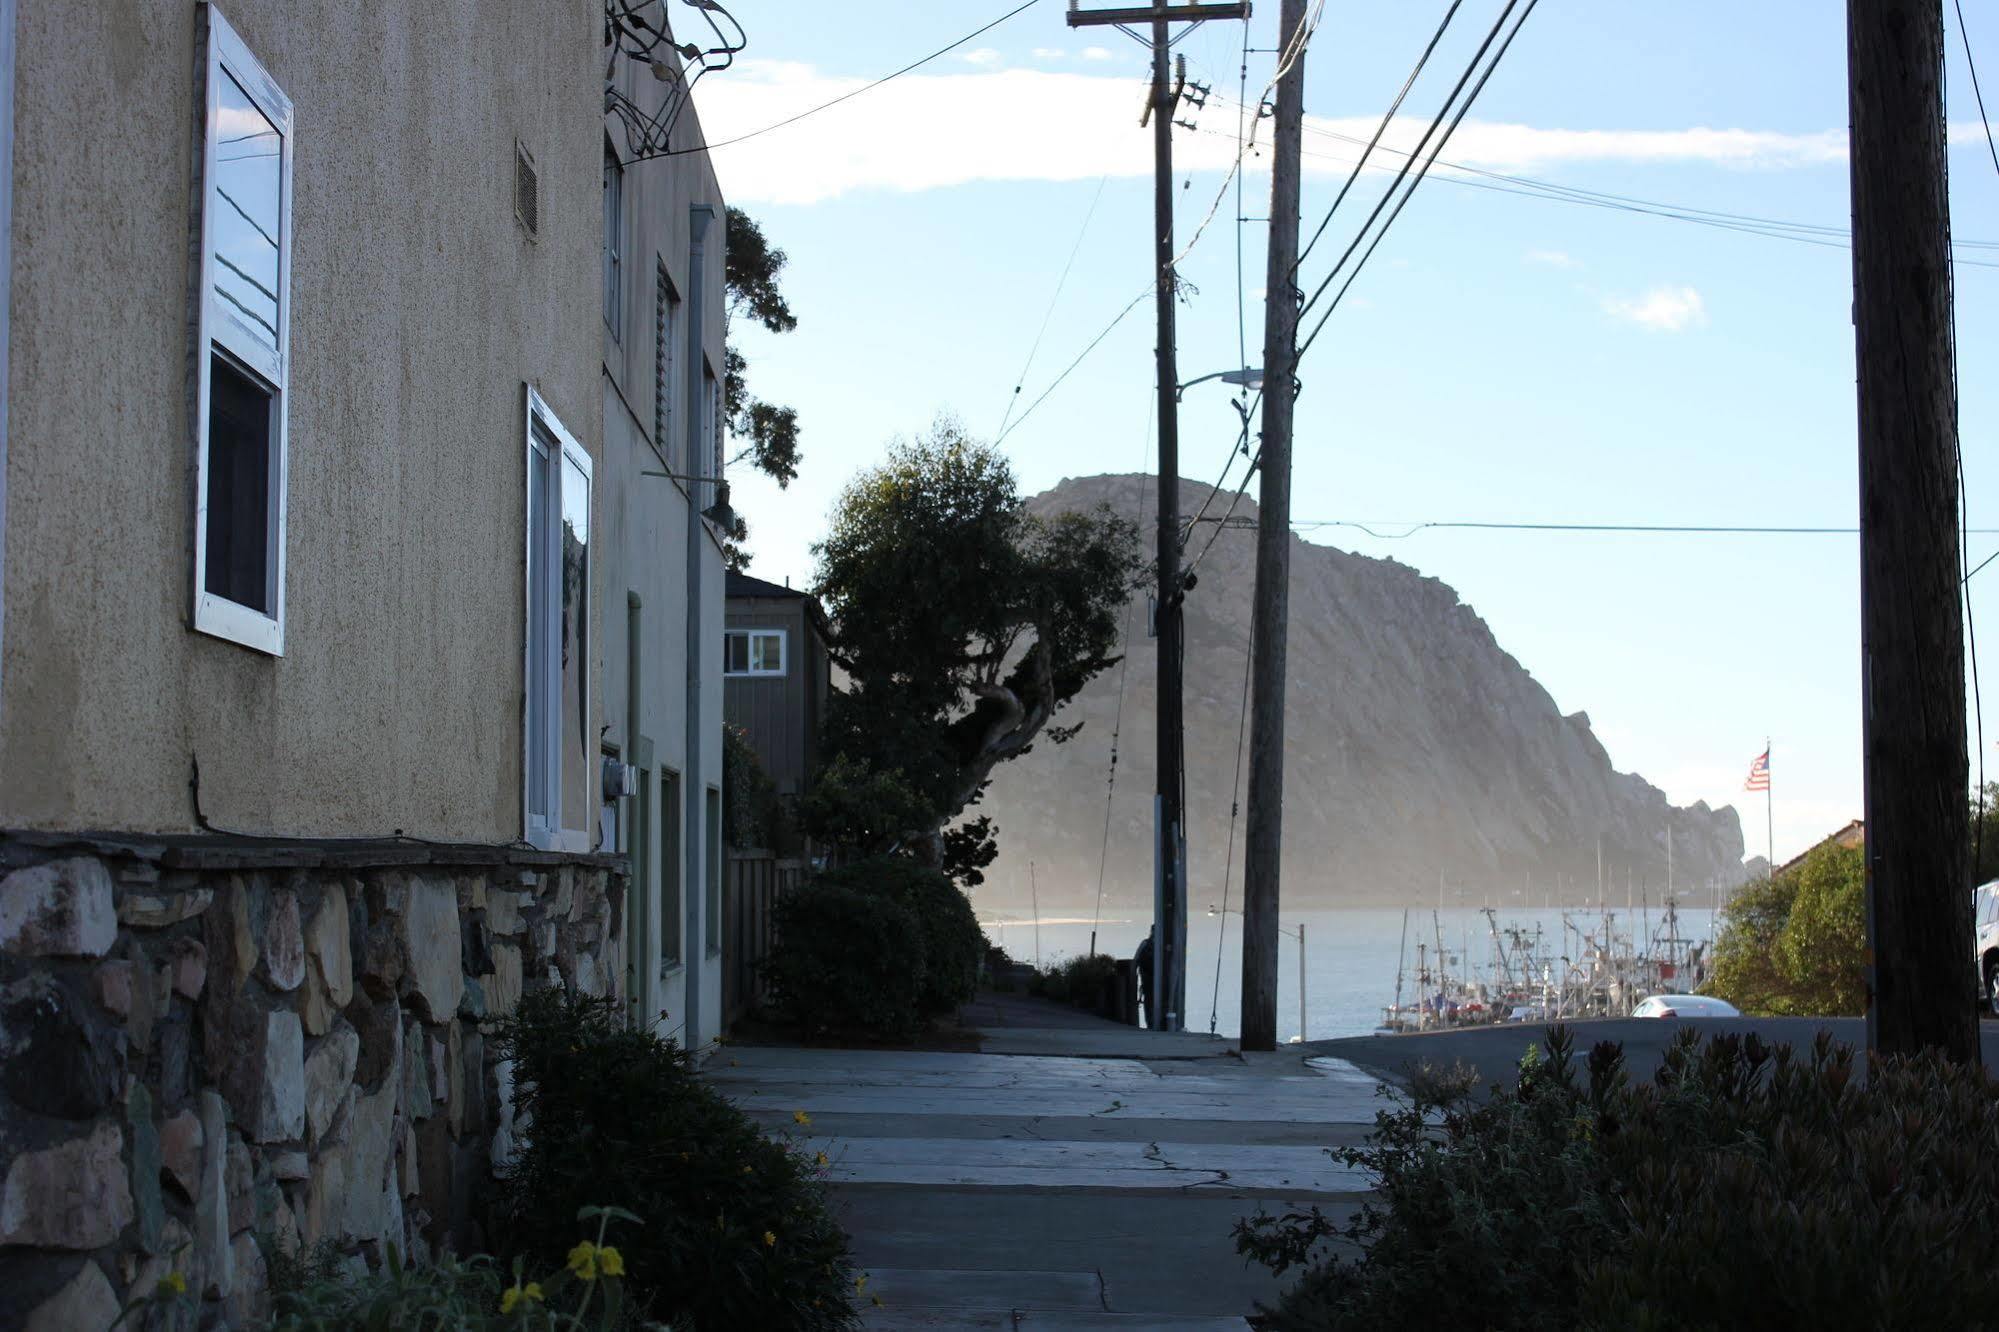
(1759,773)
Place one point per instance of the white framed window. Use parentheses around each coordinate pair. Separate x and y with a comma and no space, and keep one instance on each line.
(753,652)
(242,361)
(614,238)
(558,743)
(666,332)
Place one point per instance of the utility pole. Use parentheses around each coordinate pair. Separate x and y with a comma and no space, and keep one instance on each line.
(1169,841)
(1263,848)
(1911,625)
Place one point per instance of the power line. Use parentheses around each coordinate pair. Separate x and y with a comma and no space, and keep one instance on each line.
(1407,194)
(1964,38)
(1387,117)
(1235,806)
(866,87)
(1374,528)
(1053,300)
(1500,183)
(1410,159)
(1069,369)
(1124,664)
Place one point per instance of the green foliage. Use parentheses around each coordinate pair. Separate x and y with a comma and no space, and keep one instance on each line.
(854,804)
(847,961)
(750,272)
(1983,853)
(962,622)
(752,813)
(952,940)
(585,1292)
(1743,1187)
(1794,945)
(736,1229)
(1086,981)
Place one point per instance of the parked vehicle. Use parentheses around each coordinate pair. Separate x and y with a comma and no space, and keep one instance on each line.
(1985,944)
(1685,1006)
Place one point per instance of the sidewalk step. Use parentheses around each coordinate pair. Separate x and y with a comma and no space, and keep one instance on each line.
(981,1298)
(1001,1320)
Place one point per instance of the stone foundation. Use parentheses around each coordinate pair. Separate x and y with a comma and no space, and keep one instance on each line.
(208,1041)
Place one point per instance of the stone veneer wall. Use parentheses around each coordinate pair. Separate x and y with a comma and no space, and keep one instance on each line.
(207,1040)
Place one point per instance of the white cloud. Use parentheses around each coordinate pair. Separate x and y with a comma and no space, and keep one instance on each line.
(930,131)
(1049,53)
(1099,53)
(1552,259)
(1664,309)
(985,57)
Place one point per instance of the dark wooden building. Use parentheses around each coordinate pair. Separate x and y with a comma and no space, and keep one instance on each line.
(775,676)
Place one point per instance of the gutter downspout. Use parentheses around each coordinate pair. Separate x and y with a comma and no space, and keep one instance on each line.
(694,789)
(6,290)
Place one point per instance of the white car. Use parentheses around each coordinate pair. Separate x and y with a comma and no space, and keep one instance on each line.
(1985,943)
(1685,1006)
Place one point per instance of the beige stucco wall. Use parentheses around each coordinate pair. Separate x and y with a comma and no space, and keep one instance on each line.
(419,309)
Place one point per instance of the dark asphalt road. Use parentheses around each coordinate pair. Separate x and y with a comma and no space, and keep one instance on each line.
(1495,1051)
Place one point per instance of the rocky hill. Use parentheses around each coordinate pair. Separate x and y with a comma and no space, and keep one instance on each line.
(1419,754)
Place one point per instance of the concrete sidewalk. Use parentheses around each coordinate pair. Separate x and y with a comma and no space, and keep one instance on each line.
(1090,1180)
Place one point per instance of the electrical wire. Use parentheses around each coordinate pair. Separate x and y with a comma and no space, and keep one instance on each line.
(1288,56)
(1373,528)
(1387,117)
(1407,194)
(1410,159)
(1235,807)
(1061,282)
(1981,564)
(866,87)
(1957,438)
(1964,39)
(1499,182)
(1124,663)
(1070,368)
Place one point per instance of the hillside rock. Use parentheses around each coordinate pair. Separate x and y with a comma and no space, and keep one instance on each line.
(1419,754)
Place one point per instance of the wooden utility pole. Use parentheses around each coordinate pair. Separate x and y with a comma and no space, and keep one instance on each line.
(1263,847)
(1911,625)
(1168,983)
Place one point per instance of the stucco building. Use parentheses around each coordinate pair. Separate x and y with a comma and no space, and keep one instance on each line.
(360,632)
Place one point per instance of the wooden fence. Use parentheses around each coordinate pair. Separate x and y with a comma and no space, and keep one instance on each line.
(750,889)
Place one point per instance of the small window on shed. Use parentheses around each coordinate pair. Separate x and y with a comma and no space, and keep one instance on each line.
(753,652)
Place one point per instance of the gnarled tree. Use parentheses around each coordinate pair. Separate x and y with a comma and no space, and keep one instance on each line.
(963,623)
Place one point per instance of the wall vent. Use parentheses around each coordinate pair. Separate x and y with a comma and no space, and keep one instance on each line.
(526,186)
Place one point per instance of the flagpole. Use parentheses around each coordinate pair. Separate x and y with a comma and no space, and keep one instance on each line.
(1769,810)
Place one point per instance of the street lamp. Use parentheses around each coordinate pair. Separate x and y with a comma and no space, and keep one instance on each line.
(1250,377)
(718,513)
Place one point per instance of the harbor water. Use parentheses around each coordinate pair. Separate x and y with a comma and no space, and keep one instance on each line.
(1350,954)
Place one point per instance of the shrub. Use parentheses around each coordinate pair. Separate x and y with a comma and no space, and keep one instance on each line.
(1087,981)
(952,939)
(846,960)
(581,1293)
(735,1226)
(1796,944)
(1743,1187)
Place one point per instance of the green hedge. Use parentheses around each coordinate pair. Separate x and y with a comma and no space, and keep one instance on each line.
(846,961)
(734,1229)
(1743,1187)
(952,939)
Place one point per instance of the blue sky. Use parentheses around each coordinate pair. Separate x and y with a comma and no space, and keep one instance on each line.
(1501,358)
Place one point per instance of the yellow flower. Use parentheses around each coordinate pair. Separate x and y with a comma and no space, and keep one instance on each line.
(746,1170)
(770,1239)
(821,1158)
(861,1282)
(173,1283)
(583,1260)
(878,1301)
(610,1262)
(800,1117)
(515,1294)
